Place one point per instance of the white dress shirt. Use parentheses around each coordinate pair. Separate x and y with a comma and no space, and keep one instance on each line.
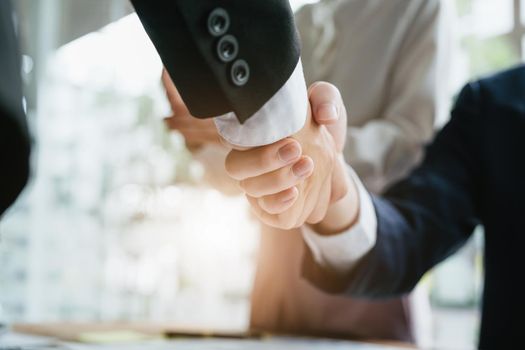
(391,62)
(341,252)
(282,116)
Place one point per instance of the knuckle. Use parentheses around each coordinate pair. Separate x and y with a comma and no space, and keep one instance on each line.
(271,207)
(266,158)
(283,178)
(255,189)
(230,166)
(316,218)
(243,184)
(248,187)
(313,221)
(266,204)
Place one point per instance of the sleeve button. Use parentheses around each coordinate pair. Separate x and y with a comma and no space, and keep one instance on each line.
(227,48)
(218,22)
(240,73)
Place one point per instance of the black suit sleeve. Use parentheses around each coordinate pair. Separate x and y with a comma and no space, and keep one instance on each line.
(223,56)
(14,139)
(423,219)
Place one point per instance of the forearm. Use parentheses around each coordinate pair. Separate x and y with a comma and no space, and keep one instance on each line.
(419,221)
(347,233)
(256,97)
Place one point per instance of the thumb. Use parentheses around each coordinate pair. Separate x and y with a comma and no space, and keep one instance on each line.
(328,109)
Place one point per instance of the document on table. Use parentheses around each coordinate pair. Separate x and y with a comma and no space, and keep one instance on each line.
(276,343)
(23,342)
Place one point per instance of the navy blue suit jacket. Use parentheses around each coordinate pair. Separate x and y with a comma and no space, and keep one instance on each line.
(474,172)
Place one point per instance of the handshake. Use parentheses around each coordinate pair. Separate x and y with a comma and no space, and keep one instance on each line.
(299,180)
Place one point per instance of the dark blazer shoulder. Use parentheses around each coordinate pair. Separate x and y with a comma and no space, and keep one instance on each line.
(504,89)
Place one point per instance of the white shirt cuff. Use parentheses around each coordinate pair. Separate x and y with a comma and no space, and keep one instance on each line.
(282,116)
(341,252)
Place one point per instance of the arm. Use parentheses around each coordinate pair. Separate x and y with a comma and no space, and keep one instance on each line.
(14,138)
(202,140)
(421,220)
(386,148)
(237,61)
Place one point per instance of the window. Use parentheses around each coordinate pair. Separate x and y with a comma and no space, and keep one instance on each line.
(522,10)
(492,34)
(296,4)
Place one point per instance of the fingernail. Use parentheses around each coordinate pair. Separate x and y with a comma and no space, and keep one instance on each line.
(327,112)
(290,195)
(289,152)
(302,168)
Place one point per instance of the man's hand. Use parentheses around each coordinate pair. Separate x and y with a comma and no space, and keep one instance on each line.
(287,189)
(279,180)
(196,132)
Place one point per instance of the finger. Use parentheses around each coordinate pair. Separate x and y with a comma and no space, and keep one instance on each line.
(328,109)
(262,215)
(199,136)
(284,221)
(326,102)
(176,122)
(188,122)
(278,180)
(254,162)
(279,202)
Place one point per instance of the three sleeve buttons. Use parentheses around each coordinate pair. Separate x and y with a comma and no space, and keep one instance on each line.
(227,47)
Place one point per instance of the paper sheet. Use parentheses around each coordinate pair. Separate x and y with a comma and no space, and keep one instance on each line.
(12,340)
(223,344)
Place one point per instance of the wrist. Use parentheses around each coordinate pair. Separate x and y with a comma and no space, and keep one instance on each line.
(341,215)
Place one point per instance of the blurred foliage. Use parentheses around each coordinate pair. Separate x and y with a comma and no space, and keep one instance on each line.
(486,55)
(490,55)
(464,7)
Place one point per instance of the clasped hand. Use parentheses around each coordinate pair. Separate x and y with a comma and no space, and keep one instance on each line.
(294,181)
